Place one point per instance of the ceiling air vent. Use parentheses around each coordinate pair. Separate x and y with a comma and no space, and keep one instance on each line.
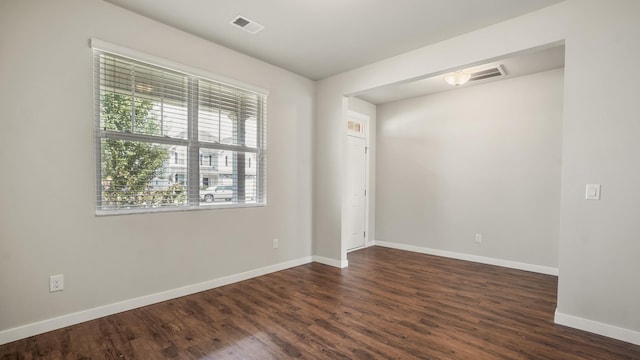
(246,24)
(488,73)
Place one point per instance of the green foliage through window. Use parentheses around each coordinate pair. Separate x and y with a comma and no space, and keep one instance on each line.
(129,166)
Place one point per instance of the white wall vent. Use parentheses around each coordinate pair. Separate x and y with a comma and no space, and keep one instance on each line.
(488,73)
(246,24)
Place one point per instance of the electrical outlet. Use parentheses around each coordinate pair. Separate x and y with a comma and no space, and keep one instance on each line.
(478,238)
(56,283)
(275,243)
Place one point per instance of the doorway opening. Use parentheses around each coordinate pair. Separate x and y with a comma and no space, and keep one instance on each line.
(356,185)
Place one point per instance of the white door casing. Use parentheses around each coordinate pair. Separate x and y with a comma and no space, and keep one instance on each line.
(356,182)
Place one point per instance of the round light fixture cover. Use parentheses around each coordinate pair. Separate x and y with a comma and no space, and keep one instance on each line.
(457,78)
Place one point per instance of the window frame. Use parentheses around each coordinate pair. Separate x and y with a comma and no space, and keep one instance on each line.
(193,144)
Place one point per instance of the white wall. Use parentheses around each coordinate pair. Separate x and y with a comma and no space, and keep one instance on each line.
(47,201)
(599,244)
(598,287)
(483,159)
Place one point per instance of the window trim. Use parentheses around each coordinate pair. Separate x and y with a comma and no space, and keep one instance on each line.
(192,142)
(135,55)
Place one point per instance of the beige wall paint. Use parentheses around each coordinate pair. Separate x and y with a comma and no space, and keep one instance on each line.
(599,244)
(483,159)
(47,201)
(598,262)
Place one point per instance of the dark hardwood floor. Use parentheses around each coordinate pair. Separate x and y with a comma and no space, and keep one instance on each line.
(389,304)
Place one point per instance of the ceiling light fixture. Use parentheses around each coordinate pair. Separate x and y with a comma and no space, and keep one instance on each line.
(457,78)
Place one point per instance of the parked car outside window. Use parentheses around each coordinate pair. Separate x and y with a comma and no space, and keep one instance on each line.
(213,193)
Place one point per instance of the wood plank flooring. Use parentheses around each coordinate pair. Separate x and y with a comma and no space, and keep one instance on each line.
(389,304)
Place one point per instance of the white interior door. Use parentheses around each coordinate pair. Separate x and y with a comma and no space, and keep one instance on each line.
(356,186)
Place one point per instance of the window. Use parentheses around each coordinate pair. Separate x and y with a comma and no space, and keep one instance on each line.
(160,132)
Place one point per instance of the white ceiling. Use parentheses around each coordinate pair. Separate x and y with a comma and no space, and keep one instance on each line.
(521,64)
(320,38)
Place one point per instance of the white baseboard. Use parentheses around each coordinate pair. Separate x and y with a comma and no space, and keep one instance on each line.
(40,327)
(599,328)
(331,262)
(474,258)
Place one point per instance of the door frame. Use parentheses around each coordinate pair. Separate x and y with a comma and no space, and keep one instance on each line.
(364,120)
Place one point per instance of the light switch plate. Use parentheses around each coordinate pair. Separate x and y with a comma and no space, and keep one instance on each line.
(592,192)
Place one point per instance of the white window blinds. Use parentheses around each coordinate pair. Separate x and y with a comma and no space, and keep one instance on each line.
(167,139)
